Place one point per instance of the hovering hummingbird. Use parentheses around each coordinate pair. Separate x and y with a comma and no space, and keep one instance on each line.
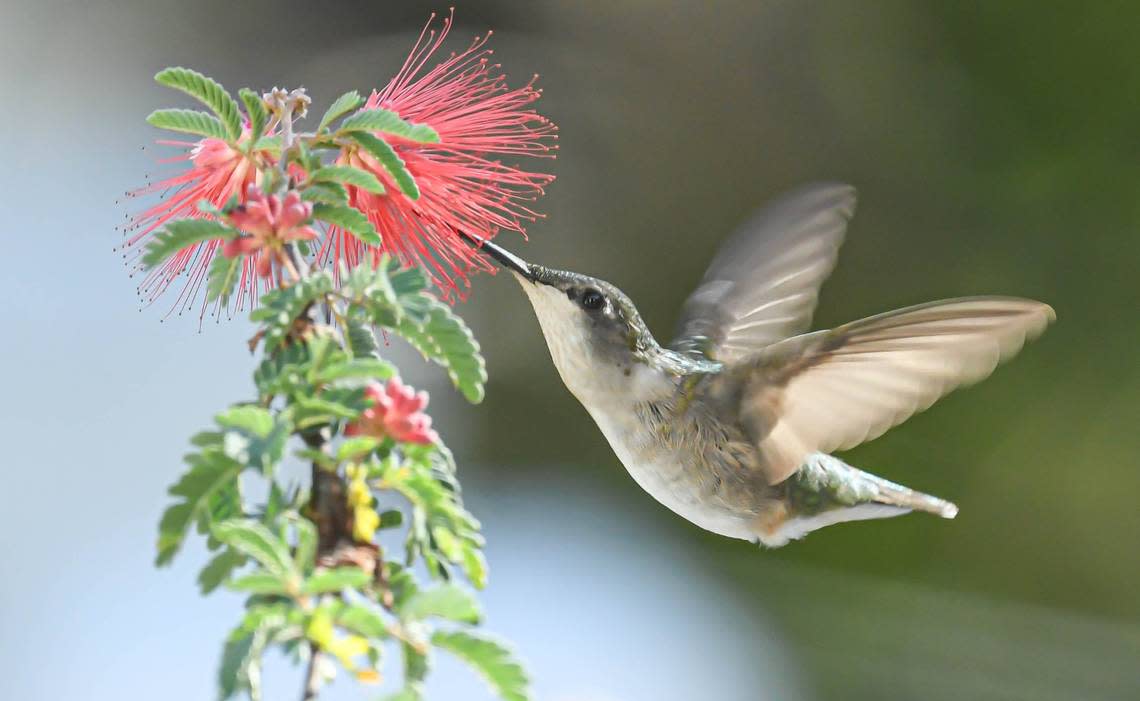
(731,423)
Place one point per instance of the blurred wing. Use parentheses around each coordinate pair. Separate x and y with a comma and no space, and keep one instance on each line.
(763,284)
(832,390)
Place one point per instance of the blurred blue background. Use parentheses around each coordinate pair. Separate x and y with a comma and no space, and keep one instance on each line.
(996,150)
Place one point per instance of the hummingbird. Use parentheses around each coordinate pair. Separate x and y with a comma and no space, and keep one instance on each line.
(731,425)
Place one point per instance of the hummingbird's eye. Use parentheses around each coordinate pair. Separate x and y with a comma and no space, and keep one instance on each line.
(593,300)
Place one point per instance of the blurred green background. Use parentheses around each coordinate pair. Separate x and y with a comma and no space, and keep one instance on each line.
(996,149)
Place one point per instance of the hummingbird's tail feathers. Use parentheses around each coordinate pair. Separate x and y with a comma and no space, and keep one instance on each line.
(825,480)
(794,527)
(826,490)
(897,495)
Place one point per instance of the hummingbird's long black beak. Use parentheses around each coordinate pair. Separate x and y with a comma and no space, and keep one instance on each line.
(505,257)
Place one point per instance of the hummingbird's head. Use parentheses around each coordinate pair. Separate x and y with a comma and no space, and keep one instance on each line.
(596,337)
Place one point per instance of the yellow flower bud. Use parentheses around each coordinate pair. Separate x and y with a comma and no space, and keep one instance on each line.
(365,521)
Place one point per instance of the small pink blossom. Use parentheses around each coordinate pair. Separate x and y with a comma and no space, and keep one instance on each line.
(218,172)
(269,223)
(396,411)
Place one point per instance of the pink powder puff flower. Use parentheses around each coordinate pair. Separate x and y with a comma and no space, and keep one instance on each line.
(269,223)
(396,411)
(463,186)
(217,173)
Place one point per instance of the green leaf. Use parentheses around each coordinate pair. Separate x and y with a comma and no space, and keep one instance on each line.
(415,666)
(223,277)
(306,552)
(363,620)
(233,672)
(350,219)
(341,106)
(335,580)
(259,583)
(241,657)
(188,122)
(279,308)
(254,436)
(425,478)
(361,339)
(210,473)
(327,406)
(446,601)
(391,519)
(493,661)
(356,368)
(444,338)
(348,175)
(388,122)
(329,193)
(182,233)
(250,419)
(408,693)
(387,157)
(256,541)
(255,109)
(474,565)
(268,143)
(219,569)
(208,92)
(406,282)
(356,447)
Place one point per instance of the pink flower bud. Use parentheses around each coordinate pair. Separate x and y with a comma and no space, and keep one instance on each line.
(396,411)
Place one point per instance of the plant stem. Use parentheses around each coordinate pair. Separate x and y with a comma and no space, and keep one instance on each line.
(313,675)
(299,268)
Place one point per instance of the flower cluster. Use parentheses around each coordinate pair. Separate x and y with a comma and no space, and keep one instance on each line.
(464,187)
(396,412)
(218,173)
(461,182)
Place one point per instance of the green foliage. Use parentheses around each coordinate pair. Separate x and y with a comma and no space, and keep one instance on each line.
(327,193)
(255,541)
(446,601)
(280,308)
(255,110)
(199,491)
(340,107)
(356,448)
(304,554)
(490,659)
(272,144)
(441,531)
(335,580)
(222,278)
(208,92)
(359,338)
(388,122)
(181,233)
(219,569)
(348,175)
(390,160)
(240,669)
(350,219)
(443,337)
(398,300)
(253,436)
(259,583)
(193,122)
(363,620)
